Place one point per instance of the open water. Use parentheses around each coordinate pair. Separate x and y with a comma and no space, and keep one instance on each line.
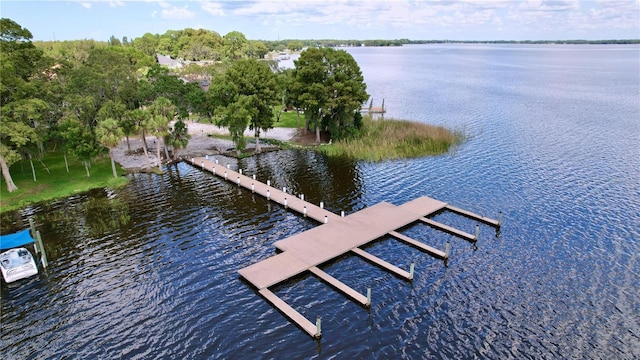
(150,271)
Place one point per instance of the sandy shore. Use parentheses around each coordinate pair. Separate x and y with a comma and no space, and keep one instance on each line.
(200,144)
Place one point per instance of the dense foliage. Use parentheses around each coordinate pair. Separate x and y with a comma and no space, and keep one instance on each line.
(84,96)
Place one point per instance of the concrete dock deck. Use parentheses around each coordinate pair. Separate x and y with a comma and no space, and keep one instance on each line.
(336,236)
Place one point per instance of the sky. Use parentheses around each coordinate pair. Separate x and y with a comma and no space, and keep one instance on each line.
(332,19)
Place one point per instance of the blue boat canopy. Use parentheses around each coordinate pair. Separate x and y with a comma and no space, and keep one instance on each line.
(20,238)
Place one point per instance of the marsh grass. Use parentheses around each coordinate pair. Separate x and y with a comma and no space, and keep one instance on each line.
(395,139)
(56,182)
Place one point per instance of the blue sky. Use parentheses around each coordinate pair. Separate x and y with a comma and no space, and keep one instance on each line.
(333,19)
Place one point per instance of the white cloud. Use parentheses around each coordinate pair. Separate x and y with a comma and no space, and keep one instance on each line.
(86,5)
(177,13)
(116,3)
(212,8)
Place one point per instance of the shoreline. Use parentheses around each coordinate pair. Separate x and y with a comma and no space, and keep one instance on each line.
(200,144)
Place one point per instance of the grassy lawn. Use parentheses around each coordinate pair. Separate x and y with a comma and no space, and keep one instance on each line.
(56,182)
(287,119)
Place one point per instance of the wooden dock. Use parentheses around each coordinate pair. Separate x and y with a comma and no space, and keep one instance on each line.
(336,236)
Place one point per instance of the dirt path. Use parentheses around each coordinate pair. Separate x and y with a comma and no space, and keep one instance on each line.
(200,144)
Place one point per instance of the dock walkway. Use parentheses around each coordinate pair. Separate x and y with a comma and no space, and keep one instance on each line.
(336,236)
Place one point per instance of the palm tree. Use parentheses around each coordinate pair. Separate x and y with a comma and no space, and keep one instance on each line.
(140,118)
(109,134)
(163,111)
(178,138)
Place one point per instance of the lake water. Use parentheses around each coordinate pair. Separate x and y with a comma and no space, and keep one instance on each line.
(150,271)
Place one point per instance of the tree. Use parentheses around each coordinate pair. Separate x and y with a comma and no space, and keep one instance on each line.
(162,111)
(19,109)
(235,45)
(178,137)
(246,96)
(331,89)
(79,140)
(109,133)
(140,119)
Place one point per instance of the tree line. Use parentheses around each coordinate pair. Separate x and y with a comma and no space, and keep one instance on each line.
(84,97)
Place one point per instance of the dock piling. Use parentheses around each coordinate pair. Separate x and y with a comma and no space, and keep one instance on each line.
(368,297)
(326,219)
(477,232)
(228,166)
(254,176)
(321,204)
(225,175)
(268,195)
(500,219)
(318,327)
(216,161)
(304,211)
(268,182)
(342,213)
(285,203)
(302,197)
(202,164)
(240,171)
(238,180)
(447,249)
(411,270)
(43,256)
(253,187)
(284,189)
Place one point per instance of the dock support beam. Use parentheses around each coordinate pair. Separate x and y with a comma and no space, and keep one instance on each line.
(318,328)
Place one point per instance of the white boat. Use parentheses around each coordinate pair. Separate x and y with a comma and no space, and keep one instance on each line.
(17,264)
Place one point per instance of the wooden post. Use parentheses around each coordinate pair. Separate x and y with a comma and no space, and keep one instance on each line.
(326,219)
(240,171)
(268,182)
(32,227)
(321,205)
(228,166)
(477,232)
(254,176)
(368,297)
(447,249)
(304,211)
(202,164)
(318,327)
(268,195)
(411,270)
(342,213)
(284,189)
(500,219)
(216,161)
(193,160)
(302,197)
(43,257)
(225,175)
(213,169)
(253,187)
(206,157)
(238,180)
(285,203)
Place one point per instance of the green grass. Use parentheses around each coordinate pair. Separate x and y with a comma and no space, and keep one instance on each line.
(395,139)
(288,119)
(57,183)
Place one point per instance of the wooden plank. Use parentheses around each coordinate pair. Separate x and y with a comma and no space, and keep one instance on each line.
(426,248)
(273,270)
(474,216)
(339,285)
(376,260)
(290,312)
(449,229)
